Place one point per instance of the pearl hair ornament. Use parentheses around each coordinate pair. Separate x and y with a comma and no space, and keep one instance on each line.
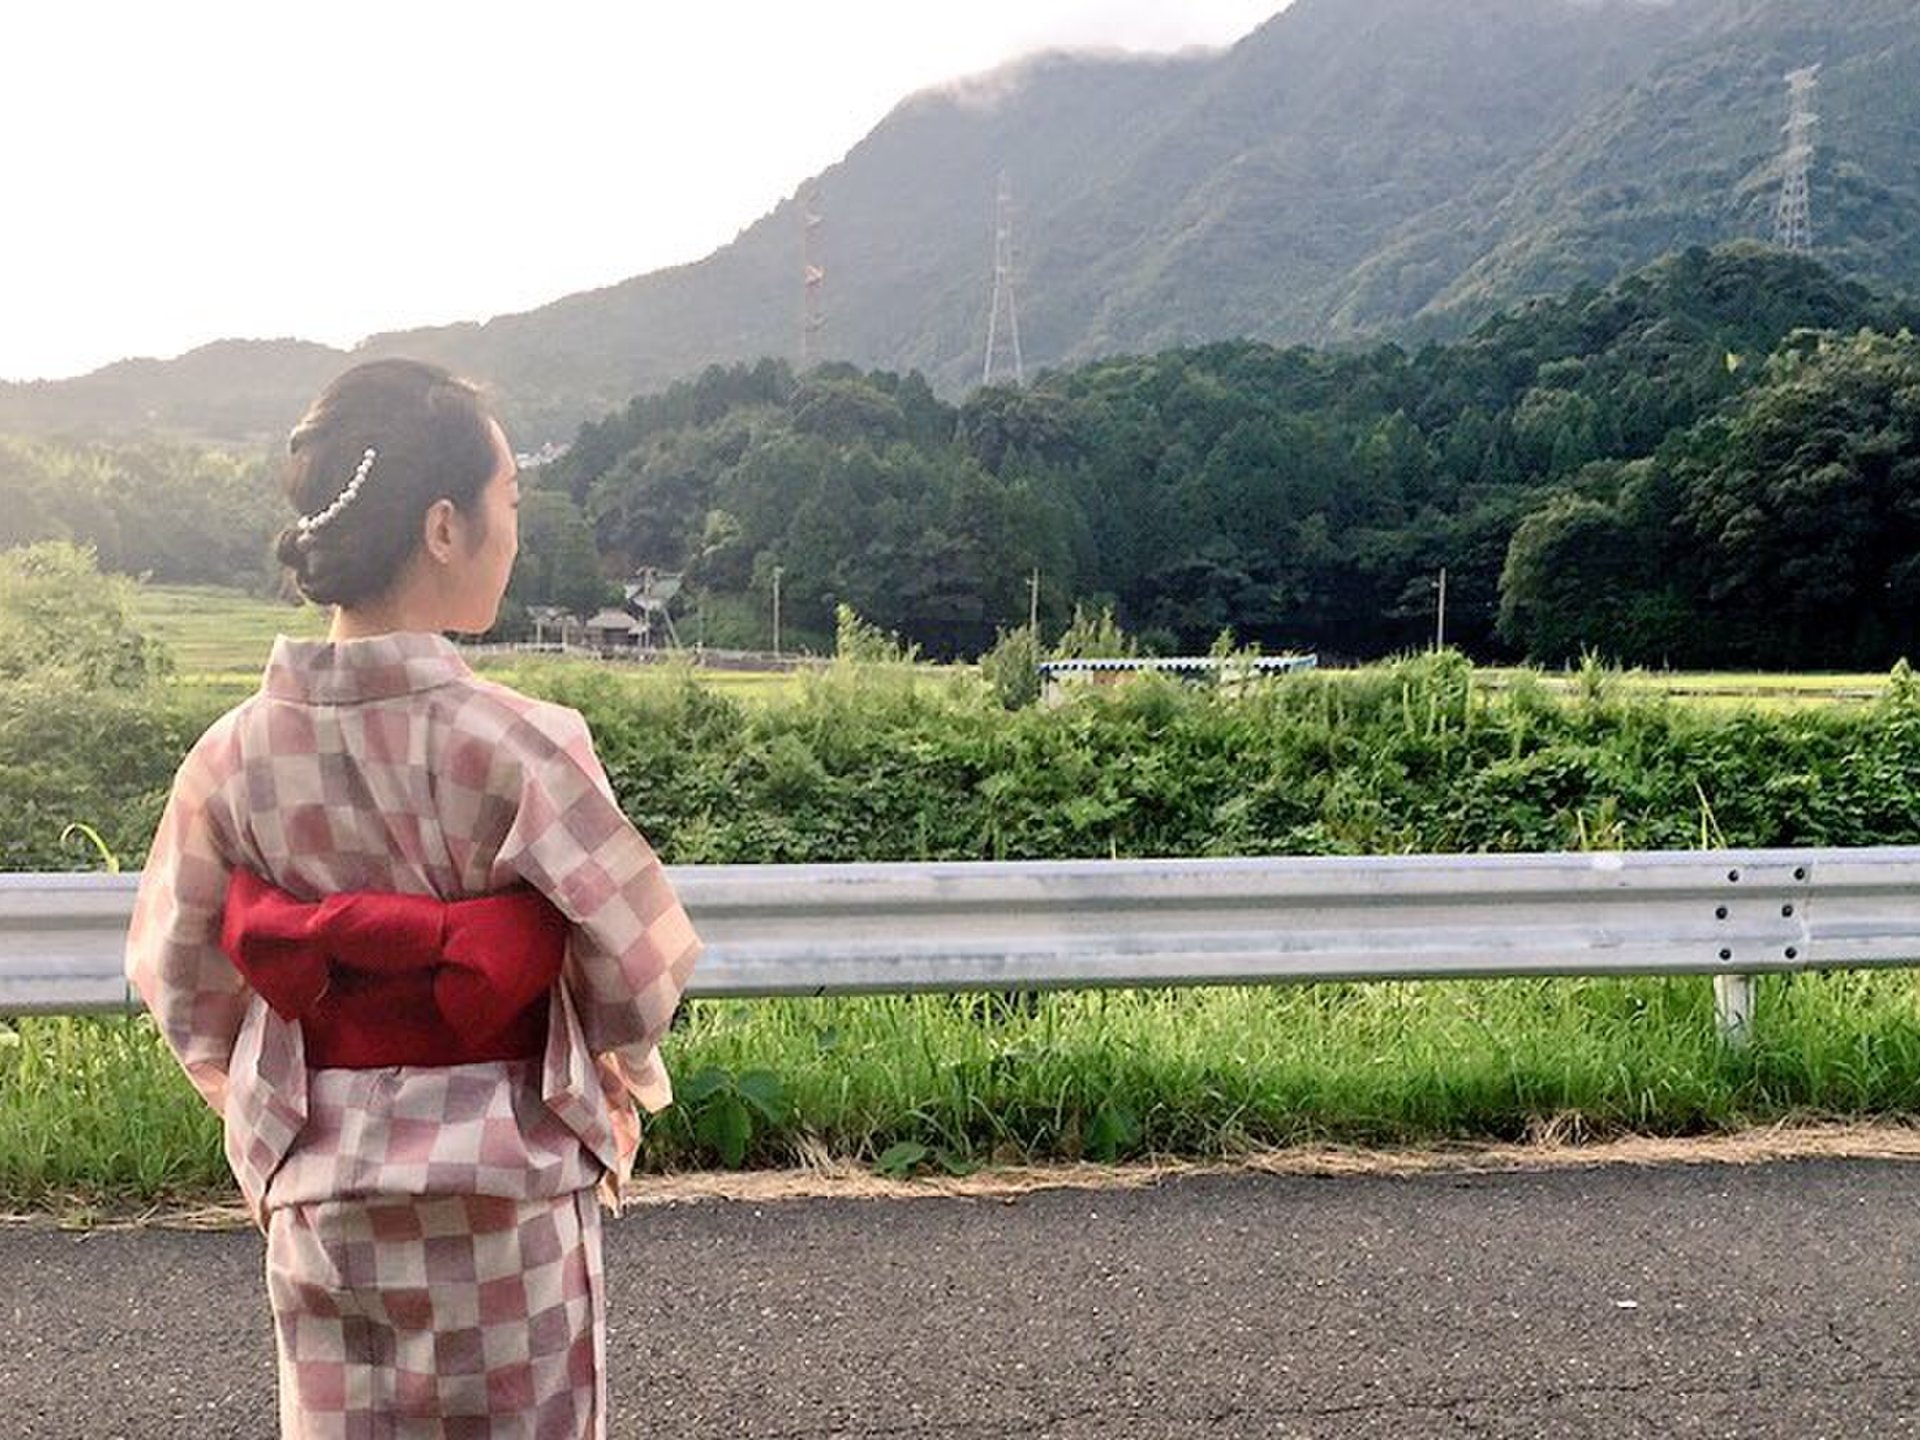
(307,524)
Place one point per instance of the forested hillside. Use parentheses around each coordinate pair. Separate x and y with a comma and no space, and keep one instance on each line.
(1714,461)
(1354,170)
(165,511)
(1310,499)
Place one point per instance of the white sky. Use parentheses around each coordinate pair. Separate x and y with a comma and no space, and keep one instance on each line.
(181,171)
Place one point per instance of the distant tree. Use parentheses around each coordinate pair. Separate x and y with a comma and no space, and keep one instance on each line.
(1000,424)
(558,564)
(165,511)
(1093,635)
(1568,567)
(1012,667)
(1805,501)
(649,507)
(1397,464)
(1556,432)
(34,503)
(723,559)
(846,410)
(60,617)
(862,641)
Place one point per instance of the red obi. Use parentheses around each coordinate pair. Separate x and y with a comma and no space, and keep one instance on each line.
(382,979)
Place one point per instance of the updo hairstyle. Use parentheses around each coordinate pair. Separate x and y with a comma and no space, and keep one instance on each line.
(432,437)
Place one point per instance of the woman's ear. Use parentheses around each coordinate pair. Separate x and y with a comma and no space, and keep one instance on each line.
(439,531)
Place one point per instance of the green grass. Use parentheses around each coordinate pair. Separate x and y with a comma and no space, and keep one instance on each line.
(211,632)
(1717,691)
(847,765)
(1213,1072)
(95,1109)
(536,672)
(220,638)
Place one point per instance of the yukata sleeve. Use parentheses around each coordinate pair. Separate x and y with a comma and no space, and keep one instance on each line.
(174,959)
(633,948)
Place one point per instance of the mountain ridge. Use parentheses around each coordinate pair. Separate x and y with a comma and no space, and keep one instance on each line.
(1351,170)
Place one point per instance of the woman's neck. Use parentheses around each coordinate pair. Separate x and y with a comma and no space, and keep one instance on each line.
(410,605)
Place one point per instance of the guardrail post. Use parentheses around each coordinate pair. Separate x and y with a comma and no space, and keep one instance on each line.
(1733,1008)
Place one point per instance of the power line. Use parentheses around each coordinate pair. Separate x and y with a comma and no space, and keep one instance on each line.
(1003,287)
(1793,210)
(812,278)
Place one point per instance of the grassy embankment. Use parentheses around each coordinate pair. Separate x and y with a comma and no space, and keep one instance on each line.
(219,640)
(95,1108)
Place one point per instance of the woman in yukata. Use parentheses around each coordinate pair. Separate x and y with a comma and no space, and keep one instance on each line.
(403,940)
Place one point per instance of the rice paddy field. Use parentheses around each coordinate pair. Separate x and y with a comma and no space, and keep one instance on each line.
(214,633)
(93,1111)
(220,639)
(1720,690)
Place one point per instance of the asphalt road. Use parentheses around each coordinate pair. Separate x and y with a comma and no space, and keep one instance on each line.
(1773,1300)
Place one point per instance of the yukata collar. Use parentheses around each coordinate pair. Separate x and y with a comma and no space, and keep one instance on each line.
(344,672)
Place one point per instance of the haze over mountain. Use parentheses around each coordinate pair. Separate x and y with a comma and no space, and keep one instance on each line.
(1353,169)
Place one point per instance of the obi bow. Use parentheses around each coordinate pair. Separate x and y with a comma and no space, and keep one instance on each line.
(377,978)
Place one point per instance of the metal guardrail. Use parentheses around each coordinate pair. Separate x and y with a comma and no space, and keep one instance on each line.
(1183,665)
(852,929)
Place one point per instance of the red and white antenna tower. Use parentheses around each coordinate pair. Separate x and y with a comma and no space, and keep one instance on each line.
(812,277)
(1793,211)
(1003,287)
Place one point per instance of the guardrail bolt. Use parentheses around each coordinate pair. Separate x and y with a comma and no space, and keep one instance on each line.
(1786,909)
(1733,875)
(1726,954)
(1792,953)
(1719,912)
(1799,872)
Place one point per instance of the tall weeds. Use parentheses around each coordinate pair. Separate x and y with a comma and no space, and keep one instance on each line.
(883,763)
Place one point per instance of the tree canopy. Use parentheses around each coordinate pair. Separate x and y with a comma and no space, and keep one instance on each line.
(1600,471)
(1711,462)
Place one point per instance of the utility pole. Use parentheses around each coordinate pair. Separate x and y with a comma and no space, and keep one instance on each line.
(1440,615)
(776,612)
(1033,605)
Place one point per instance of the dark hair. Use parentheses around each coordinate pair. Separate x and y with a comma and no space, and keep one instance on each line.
(434,440)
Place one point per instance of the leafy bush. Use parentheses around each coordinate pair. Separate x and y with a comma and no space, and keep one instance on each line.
(60,615)
(875,762)
(1012,668)
(866,643)
(88,734)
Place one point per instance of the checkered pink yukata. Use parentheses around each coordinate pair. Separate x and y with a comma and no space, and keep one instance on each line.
(433,1251)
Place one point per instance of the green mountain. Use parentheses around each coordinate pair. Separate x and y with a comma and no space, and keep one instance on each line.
(1685,152)
(1353,169)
